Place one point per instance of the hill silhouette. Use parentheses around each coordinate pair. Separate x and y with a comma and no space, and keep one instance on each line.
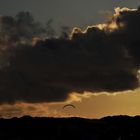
(107,128)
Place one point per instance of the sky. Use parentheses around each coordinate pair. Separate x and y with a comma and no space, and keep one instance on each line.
(66,12)
(96,69)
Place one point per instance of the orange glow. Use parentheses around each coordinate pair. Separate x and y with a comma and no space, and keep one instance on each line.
(90,105)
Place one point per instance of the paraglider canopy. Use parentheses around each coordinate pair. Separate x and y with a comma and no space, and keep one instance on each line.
(69,105)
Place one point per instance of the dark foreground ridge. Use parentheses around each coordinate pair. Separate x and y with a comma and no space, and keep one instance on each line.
(108,128)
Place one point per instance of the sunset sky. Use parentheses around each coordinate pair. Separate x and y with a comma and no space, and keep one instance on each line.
(96,69)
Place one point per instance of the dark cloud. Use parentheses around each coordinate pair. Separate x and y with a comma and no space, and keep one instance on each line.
(19,28)
(105,57)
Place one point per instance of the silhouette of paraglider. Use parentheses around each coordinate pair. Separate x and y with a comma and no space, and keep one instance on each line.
(68,105)
(69,109)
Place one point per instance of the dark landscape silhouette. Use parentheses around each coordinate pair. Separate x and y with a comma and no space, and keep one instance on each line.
(107,128)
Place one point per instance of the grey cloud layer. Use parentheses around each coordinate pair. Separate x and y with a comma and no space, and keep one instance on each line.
(98,59)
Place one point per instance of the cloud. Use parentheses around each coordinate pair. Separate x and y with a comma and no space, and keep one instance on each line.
(20,28)
(20,109)
(104,57)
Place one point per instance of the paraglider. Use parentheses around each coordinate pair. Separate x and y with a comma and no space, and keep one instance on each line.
(69,110)
(68,105)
